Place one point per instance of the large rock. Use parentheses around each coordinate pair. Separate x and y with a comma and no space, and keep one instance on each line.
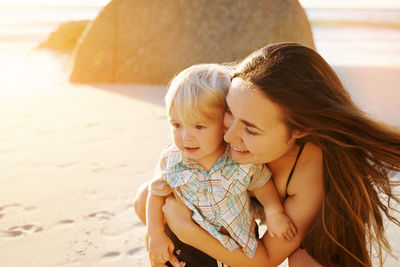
(148,41)
(65,36)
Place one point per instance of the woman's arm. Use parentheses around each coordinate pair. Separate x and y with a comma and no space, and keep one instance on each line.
(302,207)
(273,253)
(305,192)
(179,219)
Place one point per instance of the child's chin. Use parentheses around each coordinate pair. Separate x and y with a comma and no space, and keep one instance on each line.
(191,151)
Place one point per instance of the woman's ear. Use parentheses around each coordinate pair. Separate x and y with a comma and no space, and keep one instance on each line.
(298,134)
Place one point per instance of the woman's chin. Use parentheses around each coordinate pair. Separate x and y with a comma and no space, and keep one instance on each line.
(242,157)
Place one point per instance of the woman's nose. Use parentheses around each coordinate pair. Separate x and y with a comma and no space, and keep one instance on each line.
(231,135)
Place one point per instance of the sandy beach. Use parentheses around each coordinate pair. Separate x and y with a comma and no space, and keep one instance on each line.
(72,157)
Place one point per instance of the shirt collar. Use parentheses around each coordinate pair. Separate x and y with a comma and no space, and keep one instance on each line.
(176,157)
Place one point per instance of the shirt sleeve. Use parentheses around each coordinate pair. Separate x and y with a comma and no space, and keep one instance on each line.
(159,186)
(260,176)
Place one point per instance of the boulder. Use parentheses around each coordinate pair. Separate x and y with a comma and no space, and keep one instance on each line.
(65,36)
(142,41)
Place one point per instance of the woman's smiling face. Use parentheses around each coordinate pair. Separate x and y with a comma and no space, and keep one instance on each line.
(255,128)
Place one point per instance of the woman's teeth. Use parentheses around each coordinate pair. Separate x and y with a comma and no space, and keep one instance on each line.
(234,148)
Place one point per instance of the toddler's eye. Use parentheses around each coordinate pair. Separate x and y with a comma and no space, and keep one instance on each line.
(199,127)
(176,125)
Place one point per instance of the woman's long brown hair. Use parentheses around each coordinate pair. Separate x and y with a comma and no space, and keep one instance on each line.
(359,153)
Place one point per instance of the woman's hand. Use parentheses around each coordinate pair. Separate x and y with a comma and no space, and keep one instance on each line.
(178,217)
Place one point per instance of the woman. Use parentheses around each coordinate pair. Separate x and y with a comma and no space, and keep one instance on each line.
(329,161)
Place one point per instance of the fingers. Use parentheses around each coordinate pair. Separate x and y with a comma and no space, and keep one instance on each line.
(281,236)
(171,247)
(291,232)
(272,234)
(175,262)
(160,257)
(164,256)
(293,229)
(287,236)
(155,263)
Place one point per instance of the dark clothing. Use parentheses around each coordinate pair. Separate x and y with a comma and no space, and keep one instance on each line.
(192,256)
(292,170)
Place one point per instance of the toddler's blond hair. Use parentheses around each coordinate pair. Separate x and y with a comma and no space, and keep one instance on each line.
(196,89)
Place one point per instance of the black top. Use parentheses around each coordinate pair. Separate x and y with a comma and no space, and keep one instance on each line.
(292,171)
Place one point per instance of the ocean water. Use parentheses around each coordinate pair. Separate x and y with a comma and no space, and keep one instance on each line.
(357,36)
(26,26)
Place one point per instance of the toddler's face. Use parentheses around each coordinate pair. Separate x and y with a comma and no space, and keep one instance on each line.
(203,140)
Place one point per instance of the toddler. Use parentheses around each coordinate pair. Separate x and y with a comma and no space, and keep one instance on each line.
(198,169)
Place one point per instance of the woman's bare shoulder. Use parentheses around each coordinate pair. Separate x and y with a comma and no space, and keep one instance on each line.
(309,168)
(311,159)
(311,152)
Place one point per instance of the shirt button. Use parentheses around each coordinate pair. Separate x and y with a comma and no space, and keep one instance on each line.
(178,251)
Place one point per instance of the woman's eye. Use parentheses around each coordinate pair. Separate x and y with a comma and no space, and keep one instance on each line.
(199,127)
(176,125)
(250,132)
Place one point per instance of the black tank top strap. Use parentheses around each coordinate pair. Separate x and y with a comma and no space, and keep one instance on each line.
(294,166)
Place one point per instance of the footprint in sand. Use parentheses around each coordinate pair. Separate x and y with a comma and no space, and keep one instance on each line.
(102,215)
(20,230)
(111,255)
(65,222)
(133,251)
(138,224)
(30,208)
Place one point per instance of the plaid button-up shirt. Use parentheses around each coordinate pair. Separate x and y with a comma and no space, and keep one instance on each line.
(218,198)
